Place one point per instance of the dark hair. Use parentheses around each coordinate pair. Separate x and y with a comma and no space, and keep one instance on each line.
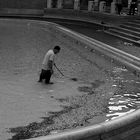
(57,48)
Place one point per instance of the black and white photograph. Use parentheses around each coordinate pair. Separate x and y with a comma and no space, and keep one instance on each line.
(69,69)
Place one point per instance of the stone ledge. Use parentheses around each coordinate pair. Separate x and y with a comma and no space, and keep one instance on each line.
(10,11)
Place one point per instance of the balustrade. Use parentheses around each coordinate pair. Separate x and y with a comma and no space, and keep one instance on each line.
(91,5)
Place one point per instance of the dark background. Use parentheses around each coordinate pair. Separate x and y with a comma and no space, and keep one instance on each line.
(41,4)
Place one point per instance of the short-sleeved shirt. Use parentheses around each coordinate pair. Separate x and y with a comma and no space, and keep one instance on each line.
(49,56)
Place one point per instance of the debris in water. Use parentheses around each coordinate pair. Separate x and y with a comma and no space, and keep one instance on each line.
(74,79)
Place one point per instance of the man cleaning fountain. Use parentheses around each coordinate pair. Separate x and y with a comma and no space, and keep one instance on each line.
(47,65)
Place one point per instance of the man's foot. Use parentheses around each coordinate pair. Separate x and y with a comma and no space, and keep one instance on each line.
(40,81)
(49,83)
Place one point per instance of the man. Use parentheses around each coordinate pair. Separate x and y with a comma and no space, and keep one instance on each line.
(47,65)
(119,6)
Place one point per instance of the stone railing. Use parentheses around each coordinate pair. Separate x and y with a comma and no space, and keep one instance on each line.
(92,5)
(38,6)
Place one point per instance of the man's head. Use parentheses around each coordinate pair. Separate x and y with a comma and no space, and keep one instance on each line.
(56,49)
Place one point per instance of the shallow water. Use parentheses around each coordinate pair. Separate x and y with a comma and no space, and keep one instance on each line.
(127,99)
(23,45)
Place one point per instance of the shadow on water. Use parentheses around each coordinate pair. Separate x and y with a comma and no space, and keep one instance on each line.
(90,89)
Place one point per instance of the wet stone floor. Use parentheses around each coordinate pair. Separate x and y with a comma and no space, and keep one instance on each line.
(95,88)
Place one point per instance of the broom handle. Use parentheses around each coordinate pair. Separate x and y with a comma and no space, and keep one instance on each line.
(58,69)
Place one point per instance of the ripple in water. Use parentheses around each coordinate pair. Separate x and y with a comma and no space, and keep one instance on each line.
(127,99)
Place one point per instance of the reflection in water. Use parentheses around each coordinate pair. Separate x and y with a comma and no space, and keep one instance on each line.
(127,99)
(117,114)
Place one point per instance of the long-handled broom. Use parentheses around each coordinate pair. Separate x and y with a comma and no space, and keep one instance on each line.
(58,70)
(73,79)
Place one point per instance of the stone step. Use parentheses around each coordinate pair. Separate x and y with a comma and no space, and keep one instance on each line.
(129,31)
(137,21)
(123,38)
(124,34)
(137,29)
(133,32)
(133,23)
